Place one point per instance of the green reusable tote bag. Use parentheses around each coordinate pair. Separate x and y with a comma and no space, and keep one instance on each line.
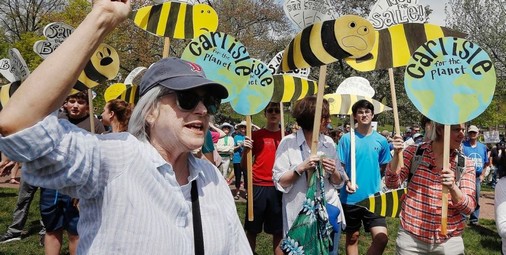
(310,232)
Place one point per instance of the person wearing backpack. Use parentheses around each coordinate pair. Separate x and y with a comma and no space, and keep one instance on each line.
(420,216)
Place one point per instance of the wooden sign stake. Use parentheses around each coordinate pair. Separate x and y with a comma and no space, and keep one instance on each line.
(166,47)
(353,160)
(249,167)
(282,118)
(446,165)
(92,112)
(318,114)
(396,113)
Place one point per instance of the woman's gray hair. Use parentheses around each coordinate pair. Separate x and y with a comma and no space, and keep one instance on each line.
(433,135)
(149,102)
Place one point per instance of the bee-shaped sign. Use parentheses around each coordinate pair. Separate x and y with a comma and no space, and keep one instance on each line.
(386,204)
(325,42)
(394,45)
(342,103)
(127,91)
(121,91)
(288,88)
(176,20)
(103,66)
(7,91)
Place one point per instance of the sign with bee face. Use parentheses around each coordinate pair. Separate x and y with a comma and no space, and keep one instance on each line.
(224,60)
(349,36)
(258,92)
(55,33)
(103,66)
(176,20)
(450,80)
(288,88)
(394,45)
(307,12)
(386,13)
(276,62)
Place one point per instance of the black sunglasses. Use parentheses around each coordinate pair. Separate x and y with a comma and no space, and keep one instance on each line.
(273,110)
(187,100)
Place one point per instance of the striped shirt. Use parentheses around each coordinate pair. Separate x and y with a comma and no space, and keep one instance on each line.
(421,207)
(130,201)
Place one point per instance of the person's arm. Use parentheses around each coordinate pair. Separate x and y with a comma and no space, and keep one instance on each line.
(47,87)
(500,207)
(247,147)
(216,129)
(462,195)
(394,165)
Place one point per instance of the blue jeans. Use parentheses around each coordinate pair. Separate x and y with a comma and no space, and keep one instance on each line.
(334,249)
(476,214)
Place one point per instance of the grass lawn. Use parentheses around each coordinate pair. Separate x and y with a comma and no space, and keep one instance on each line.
(478,240)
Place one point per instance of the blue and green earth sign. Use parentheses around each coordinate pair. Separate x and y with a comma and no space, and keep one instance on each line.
(450,80)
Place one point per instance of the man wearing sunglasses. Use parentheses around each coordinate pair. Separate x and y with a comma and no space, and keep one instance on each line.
(266,199)
(140,192)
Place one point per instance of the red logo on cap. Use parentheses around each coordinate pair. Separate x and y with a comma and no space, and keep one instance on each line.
(195,67)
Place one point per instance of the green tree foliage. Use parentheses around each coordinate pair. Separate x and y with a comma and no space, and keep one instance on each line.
(485,23)
(20,16)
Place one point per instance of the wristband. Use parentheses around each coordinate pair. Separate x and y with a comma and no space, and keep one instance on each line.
(297,172)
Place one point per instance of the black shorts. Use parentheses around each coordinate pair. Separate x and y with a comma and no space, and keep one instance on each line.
(266,211)
(57,211)
(356,215)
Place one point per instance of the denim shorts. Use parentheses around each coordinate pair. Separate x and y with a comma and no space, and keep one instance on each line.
(57,211)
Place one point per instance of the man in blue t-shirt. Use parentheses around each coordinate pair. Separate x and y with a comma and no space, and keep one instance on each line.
(478,153)
(372,154)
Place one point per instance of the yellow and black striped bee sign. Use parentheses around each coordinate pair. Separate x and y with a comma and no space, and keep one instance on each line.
(103,66)
(322,43)
(288,88)
(342,103)
(6,92)
(176,20)
(386,204)
(131,95)
(121,91)
(395,45)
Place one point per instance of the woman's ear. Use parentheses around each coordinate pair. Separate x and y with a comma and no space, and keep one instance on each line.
(150,119)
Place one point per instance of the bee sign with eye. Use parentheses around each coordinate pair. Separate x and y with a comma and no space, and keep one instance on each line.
(452,74)
(322,43)
(103,66)
(224,60)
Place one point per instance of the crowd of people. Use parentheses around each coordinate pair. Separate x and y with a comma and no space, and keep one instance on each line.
(158,180)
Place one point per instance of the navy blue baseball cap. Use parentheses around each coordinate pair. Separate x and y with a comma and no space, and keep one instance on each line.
(178,74)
